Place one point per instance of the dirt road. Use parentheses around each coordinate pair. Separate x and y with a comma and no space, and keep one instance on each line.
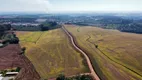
(93,73)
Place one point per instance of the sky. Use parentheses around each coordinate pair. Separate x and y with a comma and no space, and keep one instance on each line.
(70,5)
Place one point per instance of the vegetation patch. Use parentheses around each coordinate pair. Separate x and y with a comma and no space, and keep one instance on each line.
(77,77)
(110,48)
(52,54)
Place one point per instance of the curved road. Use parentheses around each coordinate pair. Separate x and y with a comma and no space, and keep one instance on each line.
(93,73)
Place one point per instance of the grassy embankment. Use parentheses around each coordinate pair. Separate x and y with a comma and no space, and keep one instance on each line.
(118,56)
(51,53)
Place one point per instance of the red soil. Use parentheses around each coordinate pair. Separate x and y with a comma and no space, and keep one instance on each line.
(10,57)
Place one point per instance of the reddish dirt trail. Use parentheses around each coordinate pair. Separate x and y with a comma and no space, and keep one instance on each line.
(93,73)
(10,58)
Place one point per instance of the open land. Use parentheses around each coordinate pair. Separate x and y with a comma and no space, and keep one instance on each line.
(88,61)
(115,55)
(52,54)
(10,57)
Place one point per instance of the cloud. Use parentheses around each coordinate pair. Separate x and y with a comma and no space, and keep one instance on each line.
(24,5)
(69,5)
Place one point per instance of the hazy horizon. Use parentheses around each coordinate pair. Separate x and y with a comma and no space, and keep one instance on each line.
(70,6)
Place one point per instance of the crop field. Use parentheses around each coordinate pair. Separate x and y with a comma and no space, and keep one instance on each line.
(31,37)
(51,53)
(115,55)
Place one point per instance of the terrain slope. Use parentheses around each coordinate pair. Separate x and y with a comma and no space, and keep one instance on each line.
(115,55)
(51,53)
(10,58)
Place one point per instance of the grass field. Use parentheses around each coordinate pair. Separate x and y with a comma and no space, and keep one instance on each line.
(118,56)
(51,53)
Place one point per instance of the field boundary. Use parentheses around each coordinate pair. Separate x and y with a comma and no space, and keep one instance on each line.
(33,41)
(88,40)
(93,73)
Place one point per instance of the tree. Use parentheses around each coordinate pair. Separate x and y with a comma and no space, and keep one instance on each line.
(78,77)
(4,73)
(61,77)
(96,46)
(1,30)
(23,50)
(85,77)
(18,69)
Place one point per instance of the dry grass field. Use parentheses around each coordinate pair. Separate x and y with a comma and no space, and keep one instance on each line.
(51,53)
(118,56)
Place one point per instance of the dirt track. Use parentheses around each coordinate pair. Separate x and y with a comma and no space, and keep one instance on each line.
(95,76)
(9,58)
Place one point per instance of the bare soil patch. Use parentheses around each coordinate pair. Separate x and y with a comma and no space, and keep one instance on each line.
(9,58)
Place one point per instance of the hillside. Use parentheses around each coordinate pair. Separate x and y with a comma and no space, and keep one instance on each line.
(115,55)
(51,53)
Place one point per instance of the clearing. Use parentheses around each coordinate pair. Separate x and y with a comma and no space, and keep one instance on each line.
(115,55)
(51,53)
(10,57)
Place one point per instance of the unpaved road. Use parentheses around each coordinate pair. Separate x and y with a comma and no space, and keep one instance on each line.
(93,73)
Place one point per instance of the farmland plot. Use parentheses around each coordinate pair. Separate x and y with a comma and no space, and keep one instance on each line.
(52,54)
(115,55)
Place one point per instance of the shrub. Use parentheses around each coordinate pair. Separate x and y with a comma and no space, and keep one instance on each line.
(61,77)
(78,77)
(18,69)
(4,73)
(23,50)
(96,46)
